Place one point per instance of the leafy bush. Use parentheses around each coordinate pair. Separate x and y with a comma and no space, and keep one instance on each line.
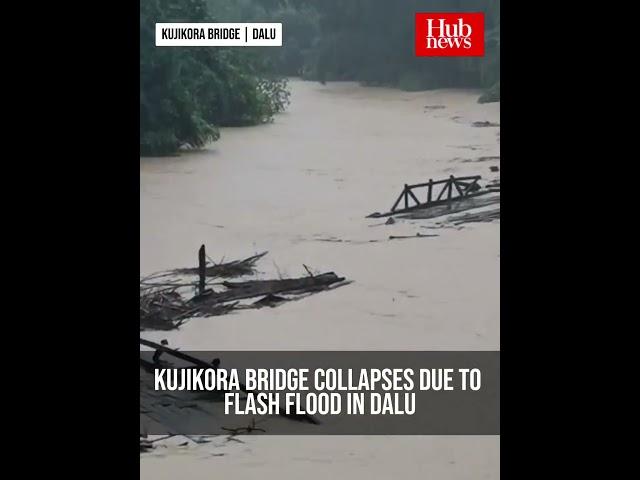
(372,42)
(187,93)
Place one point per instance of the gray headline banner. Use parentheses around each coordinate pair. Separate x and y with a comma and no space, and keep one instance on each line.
(436,393)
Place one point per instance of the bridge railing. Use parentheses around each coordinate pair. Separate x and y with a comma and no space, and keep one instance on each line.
(452,188)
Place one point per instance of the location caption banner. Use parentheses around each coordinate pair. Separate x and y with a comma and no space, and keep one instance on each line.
(218,34)
(345,393)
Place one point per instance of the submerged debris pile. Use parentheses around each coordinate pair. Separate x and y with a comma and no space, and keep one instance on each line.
(446,199)
(168,413)
(485,123)
(168,299)
(438,211)
(232,269)
(441,197)
(145,445)
(477,217)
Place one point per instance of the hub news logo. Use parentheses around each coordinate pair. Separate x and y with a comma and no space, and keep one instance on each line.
(449,34)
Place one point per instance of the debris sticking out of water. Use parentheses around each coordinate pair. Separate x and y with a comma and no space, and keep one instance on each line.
(165,301)
(428,108)
(482,159)
(485,124)
(477,217)
(417,235)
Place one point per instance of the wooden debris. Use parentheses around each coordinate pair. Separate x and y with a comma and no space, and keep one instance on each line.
(490,158)
(245,430)
(485,124)
(202,269)
(269,300)
(233,269)
(255,288)
(301,417)
(417,235)
(494,186)
(145,445)
(477,217)
(442,202)
(490,198)
(165,303)
(438,193)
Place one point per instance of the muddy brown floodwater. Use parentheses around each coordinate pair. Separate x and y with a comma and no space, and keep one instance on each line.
(301,188)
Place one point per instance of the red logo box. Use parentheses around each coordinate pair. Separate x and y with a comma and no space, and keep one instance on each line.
(449,34)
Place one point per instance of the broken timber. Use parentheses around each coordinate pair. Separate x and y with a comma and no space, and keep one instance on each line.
(256,288)
(438,193)
(165,304)
(231,269)
(301,417)
(202,269)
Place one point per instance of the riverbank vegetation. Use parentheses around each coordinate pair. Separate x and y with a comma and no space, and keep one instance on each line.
(186,94)
(370,41)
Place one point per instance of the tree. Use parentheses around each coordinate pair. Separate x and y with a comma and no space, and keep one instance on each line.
(187,93)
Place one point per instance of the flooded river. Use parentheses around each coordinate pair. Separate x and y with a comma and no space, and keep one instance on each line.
(301,188)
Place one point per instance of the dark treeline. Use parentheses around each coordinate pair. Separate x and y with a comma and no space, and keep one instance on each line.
(187,93)
(370,41)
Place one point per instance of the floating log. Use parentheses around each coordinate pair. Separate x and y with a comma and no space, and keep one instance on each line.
(485,123)
(257,288)
(417,235)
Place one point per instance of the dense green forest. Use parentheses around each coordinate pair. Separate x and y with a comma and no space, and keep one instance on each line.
(187,93)
(371,41)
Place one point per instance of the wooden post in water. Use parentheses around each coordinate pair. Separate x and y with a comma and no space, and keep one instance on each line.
(406,196)
(459,190)
(202,269)
(430,189)
(450,187)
